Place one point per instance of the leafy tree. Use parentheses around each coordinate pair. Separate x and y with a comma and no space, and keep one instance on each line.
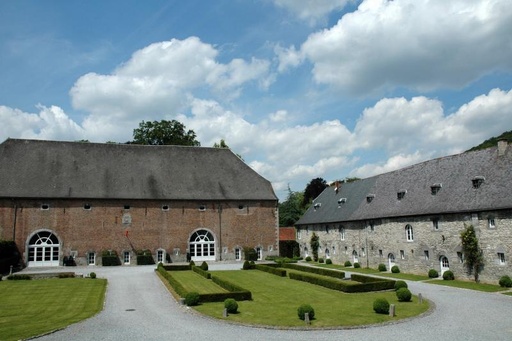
(493,141)
(315,245)
(164,133)
(473,255)
(313,189)
(291,209)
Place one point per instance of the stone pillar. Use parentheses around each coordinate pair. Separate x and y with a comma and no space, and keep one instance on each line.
(392,310)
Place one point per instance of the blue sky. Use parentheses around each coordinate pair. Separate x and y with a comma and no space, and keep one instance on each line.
(301,89)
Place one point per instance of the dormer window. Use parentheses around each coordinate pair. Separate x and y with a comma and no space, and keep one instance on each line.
(341,201)
(477,181)
(370,197)
(401,194)
(435,188)
(317,206)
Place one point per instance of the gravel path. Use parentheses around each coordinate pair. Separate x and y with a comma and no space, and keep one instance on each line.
(139,307)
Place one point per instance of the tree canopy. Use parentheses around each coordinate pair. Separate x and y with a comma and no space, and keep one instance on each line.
(313,189)
(164,133)
(291,209)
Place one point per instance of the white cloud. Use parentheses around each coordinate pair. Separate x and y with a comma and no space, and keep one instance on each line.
(312,11)
(287,57)
(393,163)
(419,44)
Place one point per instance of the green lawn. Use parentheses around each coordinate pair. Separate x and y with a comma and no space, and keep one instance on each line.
(469,285)
(34,307)
(196,282)
(276,299)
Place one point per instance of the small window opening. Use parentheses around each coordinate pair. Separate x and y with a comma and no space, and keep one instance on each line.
(241,207)
(165,207)
(477,181)
(87,207)
(501,258)
(317,206)
(426,255)
(491,223)
(435,223)
(401,194)
(45,207)
(435,188)
(126,207)
(370,197)
(202,208)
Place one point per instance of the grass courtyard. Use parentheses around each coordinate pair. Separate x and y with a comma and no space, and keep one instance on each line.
(35,307)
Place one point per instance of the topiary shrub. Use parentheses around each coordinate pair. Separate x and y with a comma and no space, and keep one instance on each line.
(448,276)
(432,273)
(192,263)
(204,266)
(192,299)
(400,284)
(92,275)
(320,260)
(395,269)
(347,264)
(357,265)
(381,306)
(308,259)
(403,295)
(306,308)
(231,305)
(382,267)
(328,261)
(505,282)
(247,265)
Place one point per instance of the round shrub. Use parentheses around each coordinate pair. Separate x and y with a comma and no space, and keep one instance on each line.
(320,260)
(306,308)
(382,267)
(403,295)
(328,261)
(231,305)
(92,275)
(246,265)
(395,269)
(204,266)
(400,284)
(381,306)
(432,273)
(448,276)
(347,264)
(192,299)
(308,259)
(505,282)
(357,265)
(192,263)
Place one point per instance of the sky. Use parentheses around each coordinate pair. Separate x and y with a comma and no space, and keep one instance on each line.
(300,89)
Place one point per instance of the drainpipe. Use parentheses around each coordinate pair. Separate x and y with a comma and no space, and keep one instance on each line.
(220,232)
(14,221)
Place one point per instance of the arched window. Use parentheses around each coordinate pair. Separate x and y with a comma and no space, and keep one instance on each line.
(409,233)
(202,246)
(43,249)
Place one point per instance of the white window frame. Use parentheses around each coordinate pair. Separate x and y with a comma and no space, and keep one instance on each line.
(402,254)
(238,254)
(426,254)
(91,258)
(299,233)
(259,252)
(409,233)
(126,257)
(491,222)
(160,256)
(342,233)
(501,258)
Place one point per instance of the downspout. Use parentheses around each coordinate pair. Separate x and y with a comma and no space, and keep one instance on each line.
(14,221)
(220,232)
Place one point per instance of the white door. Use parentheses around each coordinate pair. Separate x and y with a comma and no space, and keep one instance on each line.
(43,249)
(445,265)
(202,246)
(391,261)
(354,257)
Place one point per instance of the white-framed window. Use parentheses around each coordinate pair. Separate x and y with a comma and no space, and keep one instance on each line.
(460,257)
(126,257)
(238,254)
(491,223)
(501,258)
(363,252)
(409,233)
(402,254)
(299,233)
(342,233)
(160,256)
(259,252)
(91,258)
(426,255)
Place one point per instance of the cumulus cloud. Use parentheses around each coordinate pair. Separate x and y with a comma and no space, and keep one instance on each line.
(312,11)
(419,44)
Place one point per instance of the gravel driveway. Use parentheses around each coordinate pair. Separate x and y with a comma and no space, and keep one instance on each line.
(139,307)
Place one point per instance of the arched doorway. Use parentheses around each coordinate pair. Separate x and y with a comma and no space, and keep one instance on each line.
(445,264)
(202,246)
(43,249)
(354,257)
(391,261)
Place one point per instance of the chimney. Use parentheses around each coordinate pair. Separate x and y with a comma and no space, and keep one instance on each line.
(336,186)
(502,147)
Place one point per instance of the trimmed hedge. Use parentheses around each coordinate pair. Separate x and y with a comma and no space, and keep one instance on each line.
(144,257)
(175,267)
(110,258)
(271,270)
(19,277)
(202,272)
(365,284)
(505,282)
(167,274)
(318,271)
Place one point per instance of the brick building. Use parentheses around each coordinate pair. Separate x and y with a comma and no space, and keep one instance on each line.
(413,217)
(61,199)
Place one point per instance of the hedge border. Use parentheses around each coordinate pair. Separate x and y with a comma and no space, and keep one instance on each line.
(318,271)
(272,270)
(366,284)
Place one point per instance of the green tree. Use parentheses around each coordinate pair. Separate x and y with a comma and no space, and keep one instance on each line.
(473,255)
(315,245)
(313,189)
(164,133)
(291,209)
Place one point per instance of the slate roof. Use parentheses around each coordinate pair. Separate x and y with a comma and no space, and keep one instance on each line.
(56,169)
(453,173)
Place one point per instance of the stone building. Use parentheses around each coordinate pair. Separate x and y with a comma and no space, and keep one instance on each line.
(413,217)
(62,199)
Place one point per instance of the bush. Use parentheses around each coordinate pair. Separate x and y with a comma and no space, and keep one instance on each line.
(109,258)
(395,269)
(432,273)
(250,254)
(204,266)
(381,306)
(328,261)
(448,276)
(192,264)
(231,305)
(308,259)
(382,267)
(144,257)
(357,265)
(347,264)
(192,299)
(505,282)
(19,278)
(320,260)
(247,265)
(403,295)
(92,275)
(67,275)
(400,284)
(306,308)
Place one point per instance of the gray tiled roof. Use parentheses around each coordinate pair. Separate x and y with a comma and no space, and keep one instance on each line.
(454,173)
(52,169)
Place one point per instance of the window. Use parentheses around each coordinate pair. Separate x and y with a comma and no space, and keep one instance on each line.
(460,257)
(299,233)
(241,207)
(370,197)
(259,252)
(401,194)
(202,208)
(91,258)
(363,252)
(435,188)
(435,223)
(45,207)
(342,233)
(402,254)
(238,254)
(333,250)
(381,254)
(491,223)
(346,250)
(426,255)
(87,207)
(477,181)
(409,233)
(126,257)
(126,207)
(317,206)
(165,207)
(501,258)
(326,228)
(160,256)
